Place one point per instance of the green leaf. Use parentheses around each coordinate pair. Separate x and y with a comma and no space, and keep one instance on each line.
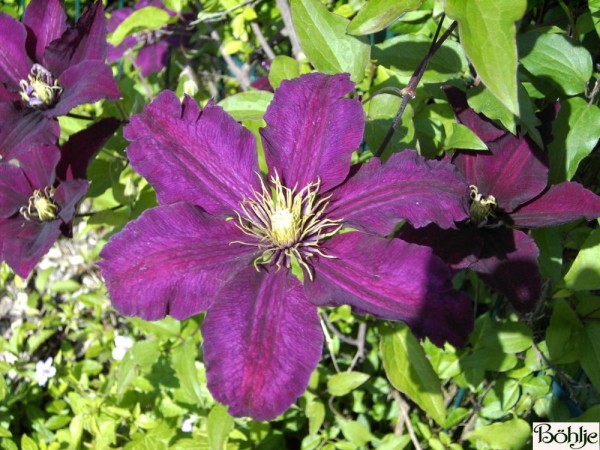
(345,382)
(404,53)
(144,19)
(315,412)
(283,68)
(590,352)
(510,435)
(563,334)
(409,371)
(594,6)
(556,59)
(376,15)
(488,34)
(184,362)
(323,38)
(220,425)
(575,133)
(250,105)
(500,399)
(27,443)
(549,241)
(584,274)
(354,431)
(463,138)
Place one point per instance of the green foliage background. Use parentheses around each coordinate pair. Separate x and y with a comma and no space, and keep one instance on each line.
(376,386)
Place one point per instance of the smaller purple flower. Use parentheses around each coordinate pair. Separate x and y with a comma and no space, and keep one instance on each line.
(48,68)
(508,194)
(39,191)
(154,46)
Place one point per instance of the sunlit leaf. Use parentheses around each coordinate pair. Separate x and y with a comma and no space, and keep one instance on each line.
(488,34)
(323,38)
(376,15)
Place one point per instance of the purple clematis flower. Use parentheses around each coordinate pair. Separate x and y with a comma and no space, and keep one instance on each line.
(508,193)
(155,45)
(47,68)
(226,240)
(39,192)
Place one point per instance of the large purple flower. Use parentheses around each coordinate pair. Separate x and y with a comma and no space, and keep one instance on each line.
(508,192)
(154,46)
(226,240)
(39,192)
(47,68)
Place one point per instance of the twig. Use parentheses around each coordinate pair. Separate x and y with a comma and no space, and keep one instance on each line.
(330,345)
(401,405)
(360,344)
(341,336)
(240,74)
(409,92)
(286,15)
(142,77)
(263,42)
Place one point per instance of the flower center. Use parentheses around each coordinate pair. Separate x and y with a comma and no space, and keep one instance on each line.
(482,208)
(41,206)
(287,224)
(40,90)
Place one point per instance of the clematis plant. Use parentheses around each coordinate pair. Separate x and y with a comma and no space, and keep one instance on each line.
(48,68)
(508,194)
(39,192)
(226,240)
(154,46)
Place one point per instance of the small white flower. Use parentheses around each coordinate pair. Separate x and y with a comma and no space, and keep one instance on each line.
(187,425)
(44,370)
(122,344)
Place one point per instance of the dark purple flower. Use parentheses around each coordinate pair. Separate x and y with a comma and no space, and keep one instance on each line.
(154,46)
(39,191)
(224,239)
(47,69)
(508,190)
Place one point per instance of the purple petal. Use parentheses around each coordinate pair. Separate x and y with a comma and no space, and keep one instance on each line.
(26,242)
(202,157)
(67,195)
(509,264)
(86,82)
(153,58)
(171,260)
(47,20)
(86,41)
(8,96)
(14,189)
(39,164)
(262,340)
(560,204)
(81,148)
(22,128)
(458,248)
(482,127)
(311,130)
(514,172)
(14,62)
(408,187)
(392,279)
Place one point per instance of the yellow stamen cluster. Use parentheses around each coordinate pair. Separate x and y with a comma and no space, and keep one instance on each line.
(40,90)
(41,206)
(482,208)
(286,224)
